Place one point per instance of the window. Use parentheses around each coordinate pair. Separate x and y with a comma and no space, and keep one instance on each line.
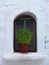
(25,21)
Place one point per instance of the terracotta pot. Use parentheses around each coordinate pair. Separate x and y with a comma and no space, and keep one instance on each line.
(24,48)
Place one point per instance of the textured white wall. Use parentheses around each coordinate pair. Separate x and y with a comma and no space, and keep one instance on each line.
(9,10)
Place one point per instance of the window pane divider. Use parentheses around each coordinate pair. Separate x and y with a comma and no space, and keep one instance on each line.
(24,23)
(31,32)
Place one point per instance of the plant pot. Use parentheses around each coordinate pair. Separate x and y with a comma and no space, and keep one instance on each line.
(24,48)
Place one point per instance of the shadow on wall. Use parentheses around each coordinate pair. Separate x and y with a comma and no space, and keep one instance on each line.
(24,62)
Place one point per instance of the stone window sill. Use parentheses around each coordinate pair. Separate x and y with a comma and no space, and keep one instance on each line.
(25,57)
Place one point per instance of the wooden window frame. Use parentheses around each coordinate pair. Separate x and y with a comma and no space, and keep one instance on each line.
(35,45)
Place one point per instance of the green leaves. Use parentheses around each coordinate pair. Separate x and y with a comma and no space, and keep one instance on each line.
(24,36)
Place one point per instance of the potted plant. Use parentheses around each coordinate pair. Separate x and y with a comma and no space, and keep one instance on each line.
(24,38)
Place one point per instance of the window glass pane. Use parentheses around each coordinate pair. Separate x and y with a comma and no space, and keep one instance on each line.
(19,24)
(31,46)
(17,46)
(29,24)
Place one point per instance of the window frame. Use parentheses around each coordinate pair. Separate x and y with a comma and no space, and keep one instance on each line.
(35,32)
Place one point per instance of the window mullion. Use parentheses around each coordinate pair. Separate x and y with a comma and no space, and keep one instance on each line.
(24,23)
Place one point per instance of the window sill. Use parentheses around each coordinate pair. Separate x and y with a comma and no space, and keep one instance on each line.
(23,57)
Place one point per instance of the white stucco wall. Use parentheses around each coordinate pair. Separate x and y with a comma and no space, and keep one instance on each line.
(9,10)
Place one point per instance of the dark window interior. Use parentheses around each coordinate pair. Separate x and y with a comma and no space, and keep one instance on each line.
(25,21)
